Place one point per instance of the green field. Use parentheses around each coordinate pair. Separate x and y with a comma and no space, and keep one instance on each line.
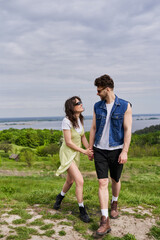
(23,187)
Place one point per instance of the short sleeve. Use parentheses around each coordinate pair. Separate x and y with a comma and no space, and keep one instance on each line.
(66,124)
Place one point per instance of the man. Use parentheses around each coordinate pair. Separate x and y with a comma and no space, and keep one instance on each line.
(110,137)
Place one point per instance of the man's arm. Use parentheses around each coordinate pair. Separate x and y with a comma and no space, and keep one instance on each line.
(127,124)
(92,133)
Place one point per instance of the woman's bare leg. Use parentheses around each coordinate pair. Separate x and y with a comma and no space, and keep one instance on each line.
(68,183)
(76,175)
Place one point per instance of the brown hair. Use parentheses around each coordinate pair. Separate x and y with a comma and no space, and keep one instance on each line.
(70,112)
(104,81)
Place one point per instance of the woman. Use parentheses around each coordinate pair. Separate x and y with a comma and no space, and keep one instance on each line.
(73,132)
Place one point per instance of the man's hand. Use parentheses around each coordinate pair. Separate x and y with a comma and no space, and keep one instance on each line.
(92,156)
(123,157)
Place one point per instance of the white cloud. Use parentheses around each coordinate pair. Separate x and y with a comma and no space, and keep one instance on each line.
(51,50)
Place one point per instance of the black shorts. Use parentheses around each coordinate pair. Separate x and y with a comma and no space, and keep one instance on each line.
(107,159)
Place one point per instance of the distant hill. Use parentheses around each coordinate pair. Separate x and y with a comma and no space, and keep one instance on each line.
(153,128)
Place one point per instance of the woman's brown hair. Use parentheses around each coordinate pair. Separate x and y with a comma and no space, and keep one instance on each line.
(70,112)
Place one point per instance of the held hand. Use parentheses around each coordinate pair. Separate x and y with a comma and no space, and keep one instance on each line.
(123,157)
(91,158)
(89,152)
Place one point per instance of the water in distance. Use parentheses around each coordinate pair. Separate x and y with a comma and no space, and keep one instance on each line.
(139,122)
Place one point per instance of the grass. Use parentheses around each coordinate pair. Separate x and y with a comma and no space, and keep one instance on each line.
(155,232)
(62,233)
(25,232)
(49,233)
(20,212)
(140,186)
(37,222)
(65,223)
(19,221)
(47,226)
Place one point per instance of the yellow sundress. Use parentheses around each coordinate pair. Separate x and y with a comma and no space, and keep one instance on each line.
(67,154)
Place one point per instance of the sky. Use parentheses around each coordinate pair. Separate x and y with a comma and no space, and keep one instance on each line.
(54,49)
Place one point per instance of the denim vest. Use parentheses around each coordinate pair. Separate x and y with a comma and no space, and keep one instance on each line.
(116,131)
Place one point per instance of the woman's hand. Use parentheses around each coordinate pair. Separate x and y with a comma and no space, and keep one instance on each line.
(88,152)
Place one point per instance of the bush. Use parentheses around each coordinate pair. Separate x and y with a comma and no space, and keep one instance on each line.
(56,137)
(55,162)
(4,155)
(146,150)
(148,138)
(41,151)
(51,149)
(6,147)
(27,155)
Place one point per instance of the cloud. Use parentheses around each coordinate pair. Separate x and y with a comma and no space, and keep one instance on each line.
(53,49)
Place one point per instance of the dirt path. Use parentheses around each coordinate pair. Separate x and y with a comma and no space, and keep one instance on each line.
(120,227)
(18,173)
(30,173)
(7,225)
(130,224)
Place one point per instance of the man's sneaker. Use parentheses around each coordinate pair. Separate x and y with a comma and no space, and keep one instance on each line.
(83,215)
(104,226)
(59,199)
(114,210)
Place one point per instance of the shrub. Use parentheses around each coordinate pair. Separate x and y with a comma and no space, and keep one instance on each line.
(6,147)
(52,149)
(27,155)
(41,151)
(4,155)
(146,150)
(56,136)
(55,161)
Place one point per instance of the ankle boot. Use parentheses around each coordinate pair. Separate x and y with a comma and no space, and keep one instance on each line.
(104,226)
(59,199)
(114,210)
(83,215)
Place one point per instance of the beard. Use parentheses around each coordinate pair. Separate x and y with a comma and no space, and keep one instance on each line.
(103,98)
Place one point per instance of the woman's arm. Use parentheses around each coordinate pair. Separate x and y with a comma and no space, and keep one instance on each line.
(84,141)
(70,144)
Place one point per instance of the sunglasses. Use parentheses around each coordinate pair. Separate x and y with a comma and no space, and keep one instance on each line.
(78,103)
(99,91)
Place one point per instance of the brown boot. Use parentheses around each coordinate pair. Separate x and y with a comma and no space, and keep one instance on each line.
(114,211)
(104,226)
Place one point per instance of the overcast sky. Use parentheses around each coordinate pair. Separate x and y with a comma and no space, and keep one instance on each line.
(51,50)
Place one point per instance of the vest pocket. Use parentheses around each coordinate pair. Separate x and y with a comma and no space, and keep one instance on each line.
(117,120)
(98,116)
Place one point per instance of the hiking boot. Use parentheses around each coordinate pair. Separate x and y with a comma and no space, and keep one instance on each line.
(83,215)
(104,226)
(114,211)
(59,199)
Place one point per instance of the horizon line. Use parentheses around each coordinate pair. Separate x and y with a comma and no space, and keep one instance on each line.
(136,114)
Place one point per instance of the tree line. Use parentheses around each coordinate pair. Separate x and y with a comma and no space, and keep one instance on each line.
(36,137)
(144,142)
(30,137)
